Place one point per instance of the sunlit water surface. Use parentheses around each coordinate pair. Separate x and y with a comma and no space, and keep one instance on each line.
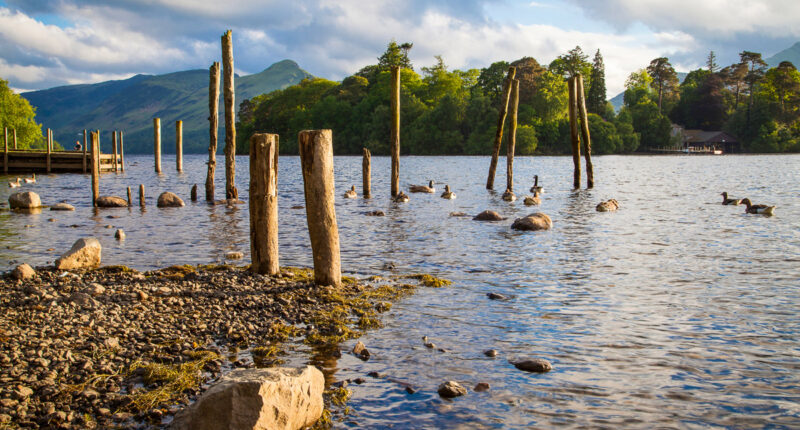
(674,311)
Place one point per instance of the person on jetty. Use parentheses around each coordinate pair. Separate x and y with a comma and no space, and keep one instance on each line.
(78,146)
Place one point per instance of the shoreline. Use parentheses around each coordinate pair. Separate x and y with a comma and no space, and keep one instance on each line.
(118,348)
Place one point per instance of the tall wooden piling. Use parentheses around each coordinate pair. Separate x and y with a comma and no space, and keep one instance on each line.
(498,136)
(157,143)
(15,138)
(179,145)
(316,159)
(264,203)
(121,152)
(230,123)
(213,124)
(85,149)
(141,196)
(366,174)
(49,148)
(114,147)
(512,135)
(585,138)
(5,152)
(573,131)
(130,200)
(395,132)
(95,167)
(193,193)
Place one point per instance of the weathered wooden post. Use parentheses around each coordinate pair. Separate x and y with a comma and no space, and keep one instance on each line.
(5,152)
(157,142)
(498,137)
(130,200)
(121,152)
(316,159)
(213,125)
(49,150)
(264,203)
(15,138)
(179,145)
(512,135)
(84,150)
(230,124)
(95,167)
(141,196)
(573,131)
(366,174)
(114,147)
(587,141)
(395,132)
(193,193)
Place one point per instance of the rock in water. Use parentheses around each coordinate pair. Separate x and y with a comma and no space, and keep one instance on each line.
(276,398)
(62,207)
(84,254)
(23,271)
(361,351)
(111,202)
(234,255)
(24,200)
(169,200)
(450,389)
(481,386)
(120,234)
(488,216)
(533,222)
(538,365)
(496,296)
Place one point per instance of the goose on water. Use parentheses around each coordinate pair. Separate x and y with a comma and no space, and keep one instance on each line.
(533,201)
(14,184)
(351,193)
(401,198)
(509,195)
(730,201)
(422,188)
(31,180)
(758,209)
(447,194)
(536,188)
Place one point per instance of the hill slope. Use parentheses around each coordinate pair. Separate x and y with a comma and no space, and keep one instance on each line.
(789,54)
(131,105)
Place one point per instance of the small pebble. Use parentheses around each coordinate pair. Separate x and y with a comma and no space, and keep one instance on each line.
(490,353)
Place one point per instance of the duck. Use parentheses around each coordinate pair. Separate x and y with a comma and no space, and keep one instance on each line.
(351,193)
(31,180)
(509,195)
(533,201)
(730,201)
(14,184)
(401,198)
(422,188)
(758,209)
(447,194)
(536,188)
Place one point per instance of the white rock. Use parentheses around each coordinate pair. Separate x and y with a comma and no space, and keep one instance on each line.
(84,254)
(24,200)
(62,207)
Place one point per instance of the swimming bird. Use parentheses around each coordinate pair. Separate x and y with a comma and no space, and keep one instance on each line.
(351,193)
(31,180)
(401,198)
(532,201)
(509,196)
(447,194)
(422,188)
(758,209)
(536,188)
(730,201)
(14,184)
(608,206)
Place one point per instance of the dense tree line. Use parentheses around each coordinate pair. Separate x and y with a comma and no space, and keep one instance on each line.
(17,114)
(455,112)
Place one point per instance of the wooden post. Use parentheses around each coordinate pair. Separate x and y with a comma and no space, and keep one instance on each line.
(84,150)
(130,200)
(95,167)
(5,152)
(230,124)
(573,131)
(587,141)
(15,138)
(157,142)
(49,147)
(316,160)
(264,203)
(179,145)
(114,147)
(366,174)
(213,125)
(194,193)
(498,137)
(512,135)
(395,132)
(121,152)
(141,196)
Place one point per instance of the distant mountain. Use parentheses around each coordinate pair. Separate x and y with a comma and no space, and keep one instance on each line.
(789,54)
(131,104)
(619,99)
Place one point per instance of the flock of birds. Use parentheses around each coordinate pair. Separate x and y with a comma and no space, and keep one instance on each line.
(20,181)
(751,208)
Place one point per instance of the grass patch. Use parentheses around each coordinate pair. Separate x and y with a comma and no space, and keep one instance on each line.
(298,274)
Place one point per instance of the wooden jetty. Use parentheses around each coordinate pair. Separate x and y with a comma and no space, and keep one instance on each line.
(30,161)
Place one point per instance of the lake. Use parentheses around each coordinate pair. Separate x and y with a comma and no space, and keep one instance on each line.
(674,311)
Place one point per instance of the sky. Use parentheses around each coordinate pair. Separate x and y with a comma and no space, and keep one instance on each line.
(47,43)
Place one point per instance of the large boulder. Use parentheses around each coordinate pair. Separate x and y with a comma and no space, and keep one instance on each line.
(111,202)
(84,254)
(275,398)
(169,200)
(24,200)
(535,221)
(23,272)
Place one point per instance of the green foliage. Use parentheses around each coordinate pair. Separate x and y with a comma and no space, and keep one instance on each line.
(572,63)
(665,80)
(395,55)
(17,114)
(605,138)
(596,97)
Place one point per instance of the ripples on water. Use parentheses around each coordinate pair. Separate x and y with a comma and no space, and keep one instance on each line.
(675,311)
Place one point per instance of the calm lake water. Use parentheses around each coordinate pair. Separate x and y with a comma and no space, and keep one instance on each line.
(674,311)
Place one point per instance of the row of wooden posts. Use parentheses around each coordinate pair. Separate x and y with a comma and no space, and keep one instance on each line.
(117,158)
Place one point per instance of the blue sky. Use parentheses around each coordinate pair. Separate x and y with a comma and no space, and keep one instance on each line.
(46,43)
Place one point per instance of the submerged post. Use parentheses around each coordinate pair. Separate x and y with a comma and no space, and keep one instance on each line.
(316,159)
(121,152)
(366,174)
(49,148)
(213,125)
(141,196)
(157,143)
(230,124)
(85,149)
(498,136)
(179,145)
(395,132)
(114,147)
(264,203)
(573,131)
(512,135)
(587,141)
(130,201)
(95,167)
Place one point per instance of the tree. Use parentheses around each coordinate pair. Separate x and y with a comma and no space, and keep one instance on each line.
(711,62)
(491,79)
(395,55)
(571,63)
(756,67)
(734,77)
(605,139)
(17,114)
(782,87)
(637,87)
(665,80)
(596,99)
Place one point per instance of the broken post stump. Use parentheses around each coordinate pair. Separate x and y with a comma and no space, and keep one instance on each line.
(114,147)
(585,138)
(264,203)
(366,174)
(121,153)
(130,201)
(573,131)
(512,135)
(179,145)
(213,124)
(95,167)
(49,148)
(157,143)
(141,195)
(85,149)
(193,194)
(498,137)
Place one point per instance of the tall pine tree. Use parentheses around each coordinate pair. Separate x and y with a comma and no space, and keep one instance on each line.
(596,99)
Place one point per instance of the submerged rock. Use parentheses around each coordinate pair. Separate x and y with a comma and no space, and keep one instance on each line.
(533,222)
(481,386)
(62,207)
(119,234)
(537,365)
(234,255)
(490,353)
(111,202)
(169,200)
(374,213)
(24,200)
(84,254)
(496,296)
(450,389)
(488,216)
(361,351)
